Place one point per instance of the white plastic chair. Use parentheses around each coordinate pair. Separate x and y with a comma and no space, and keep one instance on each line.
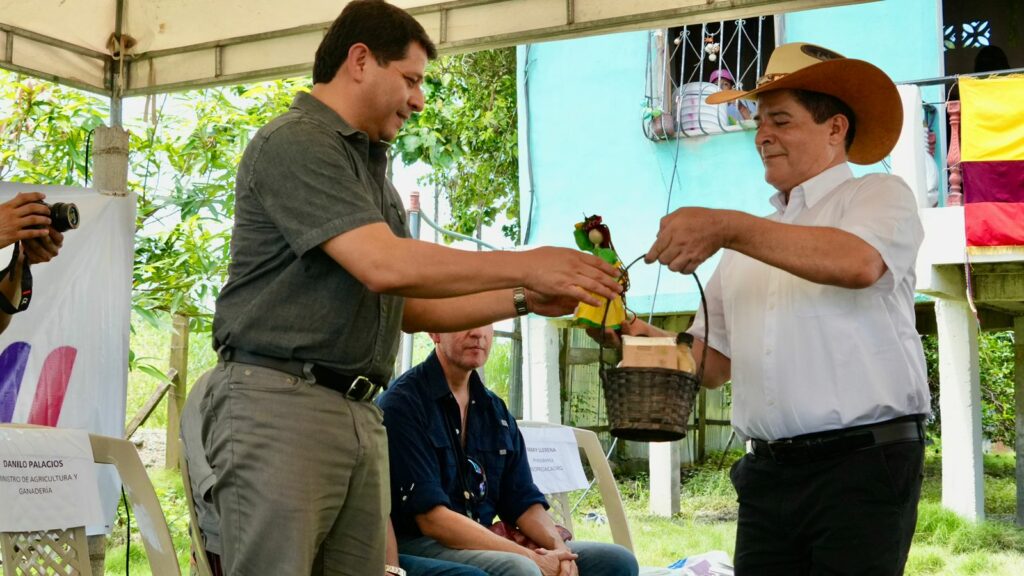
(66,551)
(610,496)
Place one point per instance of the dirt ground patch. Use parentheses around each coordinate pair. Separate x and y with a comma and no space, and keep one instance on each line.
(152,445)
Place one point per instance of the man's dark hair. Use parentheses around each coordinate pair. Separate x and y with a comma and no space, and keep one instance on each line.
(385,29)
(822,107)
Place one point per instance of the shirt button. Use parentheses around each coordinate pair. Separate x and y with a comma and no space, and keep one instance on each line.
(768,352)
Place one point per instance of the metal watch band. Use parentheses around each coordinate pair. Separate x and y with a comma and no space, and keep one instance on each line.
(394,570)
(519,300)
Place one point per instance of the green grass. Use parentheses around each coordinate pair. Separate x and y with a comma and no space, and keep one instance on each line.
(171,494)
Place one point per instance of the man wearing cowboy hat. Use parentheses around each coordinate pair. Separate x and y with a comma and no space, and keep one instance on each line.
(811,316)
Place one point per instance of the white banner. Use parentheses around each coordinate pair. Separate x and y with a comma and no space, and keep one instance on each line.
(554,459)
(64,361)
(47,480)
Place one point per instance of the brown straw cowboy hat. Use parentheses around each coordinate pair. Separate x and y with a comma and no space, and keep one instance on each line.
(862,86)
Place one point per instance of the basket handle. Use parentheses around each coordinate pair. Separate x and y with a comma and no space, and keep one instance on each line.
(704,307)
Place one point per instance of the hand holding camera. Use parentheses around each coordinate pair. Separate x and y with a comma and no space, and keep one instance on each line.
(38,225)
(36,229)
(24,217)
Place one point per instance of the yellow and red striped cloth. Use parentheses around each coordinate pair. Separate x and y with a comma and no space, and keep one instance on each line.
(992,163)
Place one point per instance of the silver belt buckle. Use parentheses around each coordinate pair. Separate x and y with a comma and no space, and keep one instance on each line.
(352,392)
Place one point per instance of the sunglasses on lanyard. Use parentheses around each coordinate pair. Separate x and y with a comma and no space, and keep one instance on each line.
(475,482)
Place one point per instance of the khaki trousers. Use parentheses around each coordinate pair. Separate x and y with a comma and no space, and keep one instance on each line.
(302,474)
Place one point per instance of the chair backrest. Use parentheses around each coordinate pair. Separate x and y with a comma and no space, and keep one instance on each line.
(27,552)
(199,559)
(609,490)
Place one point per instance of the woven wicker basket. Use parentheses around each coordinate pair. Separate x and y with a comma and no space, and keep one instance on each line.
(651,404)
(648,404)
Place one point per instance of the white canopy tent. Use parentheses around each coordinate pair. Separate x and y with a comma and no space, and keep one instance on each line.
(170,45)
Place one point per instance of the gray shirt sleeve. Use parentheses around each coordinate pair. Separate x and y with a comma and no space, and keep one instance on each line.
(312,193)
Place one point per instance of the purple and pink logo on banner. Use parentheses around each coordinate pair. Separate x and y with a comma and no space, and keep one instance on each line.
(52,387)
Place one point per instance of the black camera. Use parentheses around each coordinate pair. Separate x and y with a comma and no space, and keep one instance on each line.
(63,215)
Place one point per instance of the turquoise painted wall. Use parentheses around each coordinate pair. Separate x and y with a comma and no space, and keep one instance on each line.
(581,103)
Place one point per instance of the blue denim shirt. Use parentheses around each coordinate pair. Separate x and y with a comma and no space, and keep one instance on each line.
(424,473)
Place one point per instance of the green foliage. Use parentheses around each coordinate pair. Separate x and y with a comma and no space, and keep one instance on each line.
(43,130)
(498,370)
(149,349)
(995,359)
(183,170)
(468,135)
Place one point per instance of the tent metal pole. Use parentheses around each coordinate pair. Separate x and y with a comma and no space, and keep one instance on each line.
(116,67)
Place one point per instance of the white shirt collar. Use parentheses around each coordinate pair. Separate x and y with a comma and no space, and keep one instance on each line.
(816,188)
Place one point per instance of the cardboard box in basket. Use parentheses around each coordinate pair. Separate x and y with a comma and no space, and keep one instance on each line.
(644,352)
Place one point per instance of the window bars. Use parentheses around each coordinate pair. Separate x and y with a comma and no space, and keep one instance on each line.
(686,64)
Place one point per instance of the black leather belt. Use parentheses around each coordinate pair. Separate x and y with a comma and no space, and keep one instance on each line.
(834,443)
(359,388)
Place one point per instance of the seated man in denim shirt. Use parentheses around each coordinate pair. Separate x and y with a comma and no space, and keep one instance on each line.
(448,486)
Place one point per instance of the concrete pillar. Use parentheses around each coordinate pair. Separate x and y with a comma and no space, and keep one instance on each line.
(960,405)
(1018,394)
(663,459)
(110,161)
(908,157)
(541,385)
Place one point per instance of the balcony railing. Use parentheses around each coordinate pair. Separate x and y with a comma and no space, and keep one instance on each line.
(950,191)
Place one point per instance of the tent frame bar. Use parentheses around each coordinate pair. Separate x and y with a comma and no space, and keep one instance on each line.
(659,15)
(48,40)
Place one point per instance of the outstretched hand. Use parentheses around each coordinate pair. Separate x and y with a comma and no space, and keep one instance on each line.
(561,273)
(550,306)
(688,237)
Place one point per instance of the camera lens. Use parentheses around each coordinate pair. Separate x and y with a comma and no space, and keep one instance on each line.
(63,216)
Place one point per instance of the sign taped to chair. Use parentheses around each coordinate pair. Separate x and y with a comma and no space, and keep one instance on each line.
(47,480)
(554,459)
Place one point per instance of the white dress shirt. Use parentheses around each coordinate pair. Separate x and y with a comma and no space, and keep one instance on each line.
(809,357)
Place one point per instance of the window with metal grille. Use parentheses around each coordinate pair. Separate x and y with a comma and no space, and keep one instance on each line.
(688,63)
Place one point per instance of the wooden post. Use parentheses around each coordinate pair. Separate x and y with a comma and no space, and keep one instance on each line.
(955,196)
(1018,394)
(179,388)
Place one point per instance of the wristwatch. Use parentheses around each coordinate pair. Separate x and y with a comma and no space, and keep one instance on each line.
(519,300)
(395,570)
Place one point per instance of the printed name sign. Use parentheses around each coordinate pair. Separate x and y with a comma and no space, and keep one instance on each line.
(554,459)
(47,480)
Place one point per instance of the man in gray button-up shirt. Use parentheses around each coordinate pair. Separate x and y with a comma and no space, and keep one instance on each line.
(322,279)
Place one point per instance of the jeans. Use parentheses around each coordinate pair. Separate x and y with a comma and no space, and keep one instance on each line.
(417,566)
(595,558)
